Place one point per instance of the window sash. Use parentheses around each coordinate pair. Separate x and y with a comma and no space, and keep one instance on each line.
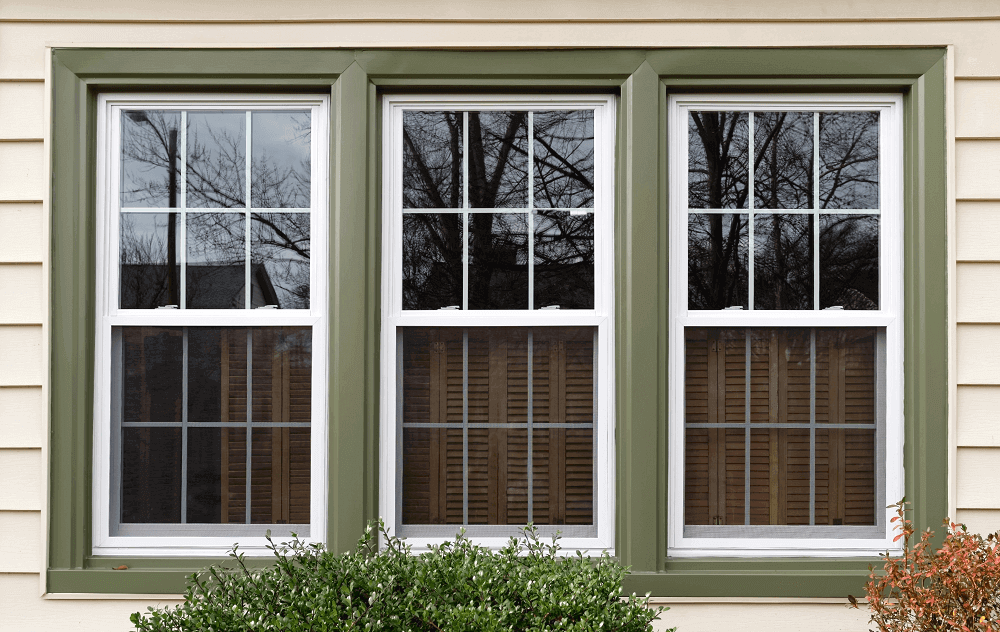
(200,539)
(815,540)
(395,317)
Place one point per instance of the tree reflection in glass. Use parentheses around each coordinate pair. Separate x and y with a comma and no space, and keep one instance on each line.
(149,273)
(564,159)
(717,260)
(432,260)
(216,159)
(498,261)
(432,159)
(783,166)
(848,261)
(279,258)
(848,158)
(150,167)
(280,160)
(783,261)
(564,260)
(216,252)
(498,159)
(718,151)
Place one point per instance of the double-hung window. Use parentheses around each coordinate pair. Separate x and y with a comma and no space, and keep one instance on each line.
(496,307)
(210,406)
(786,330)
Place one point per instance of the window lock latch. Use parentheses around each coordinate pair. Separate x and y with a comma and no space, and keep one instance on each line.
(168,307)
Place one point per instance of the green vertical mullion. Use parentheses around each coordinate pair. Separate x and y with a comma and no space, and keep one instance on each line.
(925,305)
(637,228)
(374,300)
(349,209)
(71,318)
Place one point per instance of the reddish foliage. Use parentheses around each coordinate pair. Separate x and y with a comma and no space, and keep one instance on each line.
(956,587)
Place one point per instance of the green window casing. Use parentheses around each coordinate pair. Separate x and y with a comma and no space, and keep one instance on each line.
(642,79)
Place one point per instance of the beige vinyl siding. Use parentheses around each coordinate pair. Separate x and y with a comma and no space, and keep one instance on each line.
(26,28)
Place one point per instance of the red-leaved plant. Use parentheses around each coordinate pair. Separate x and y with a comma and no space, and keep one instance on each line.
(956,587)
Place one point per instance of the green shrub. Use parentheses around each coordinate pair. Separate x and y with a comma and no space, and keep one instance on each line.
(455,587)
(955,587)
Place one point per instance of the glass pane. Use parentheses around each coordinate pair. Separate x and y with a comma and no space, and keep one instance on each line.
(210,373)
(783,176)
(498,260)
(848,261)
(845,477)
(845,375)
(279,476)
(718,156)
(151,373)
(216,159)
(783,261)
(564,159)
(204,475)
(714,490)
(282,374)
(216,274)
(233,476)
(564,260)
(498,159)
(432,260)
(432,159)
(452,375)
(280,159)
(151,163)
(848,160)
(151,475)
(279,260)
(149,255)
(788,384)
(717,261)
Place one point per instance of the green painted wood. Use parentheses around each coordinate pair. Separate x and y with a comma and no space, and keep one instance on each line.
(925,301)
(510,67)
(637,302)
(72,267)
(349,295)
(221,66)
(785,63)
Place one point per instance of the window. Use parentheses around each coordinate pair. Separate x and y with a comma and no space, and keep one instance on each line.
(497,300)
(210,408)
(786,335)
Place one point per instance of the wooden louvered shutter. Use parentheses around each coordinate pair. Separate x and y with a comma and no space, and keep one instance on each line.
(280,456)
(497,392)
(781,378)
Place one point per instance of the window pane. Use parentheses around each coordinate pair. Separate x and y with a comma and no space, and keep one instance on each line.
(564,260)
(809,405)
(279,260)
(783,143)
(216,271)
(498,159)
(151,475)
(718,152)
(498,260)
(783,261)
(564,159)
(216,159)
(717,261)
(280,159)
(213,478)
(151,164)
(432,260)
(149,255)
(848,261)
(432,159)
(848,159)
(498,425)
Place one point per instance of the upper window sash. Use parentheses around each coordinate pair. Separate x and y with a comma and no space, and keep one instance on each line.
(886,211)
(517,206)
(817,540)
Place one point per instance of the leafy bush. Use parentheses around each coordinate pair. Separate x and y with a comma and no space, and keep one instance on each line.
(456,586)
(956,587)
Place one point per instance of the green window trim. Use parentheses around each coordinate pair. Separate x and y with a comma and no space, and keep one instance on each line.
(642,79)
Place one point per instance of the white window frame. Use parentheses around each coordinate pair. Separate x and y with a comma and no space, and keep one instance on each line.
(110,315)
(601,317)
(818,542)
